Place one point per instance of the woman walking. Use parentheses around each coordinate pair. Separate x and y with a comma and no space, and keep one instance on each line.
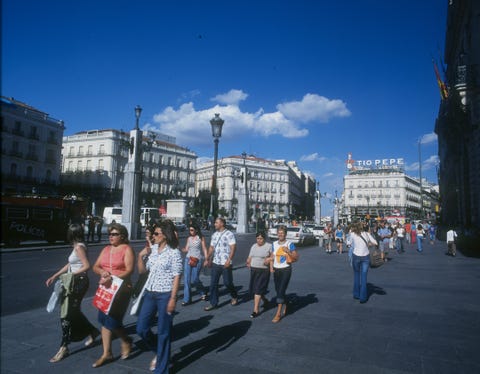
(116,259)
(420,237)
(196,252)
(360,240)
(283,254)
(259,263)
(75,326)
(165,266)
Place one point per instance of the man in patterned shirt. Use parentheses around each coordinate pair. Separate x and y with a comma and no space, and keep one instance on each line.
(222,248)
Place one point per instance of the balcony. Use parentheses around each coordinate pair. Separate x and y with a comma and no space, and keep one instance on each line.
(18,132)
(15,153)
(31,157)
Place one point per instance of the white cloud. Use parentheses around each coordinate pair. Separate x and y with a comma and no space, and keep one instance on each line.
(314,108)
(312,157)
(232,97)
(427,164)
(428,138)
(191,126)
(327,175)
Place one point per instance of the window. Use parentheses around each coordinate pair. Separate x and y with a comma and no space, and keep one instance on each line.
(90,150)
(13,170)
(101,150)
(71,152)
(100,164)
(29,172)
(70,166)
(79,166)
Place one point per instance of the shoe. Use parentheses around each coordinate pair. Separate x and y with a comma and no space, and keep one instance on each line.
(254,315)
(185,303)
(126,348)
(204,297)
(363,301)
(153,364)
(276,319)
(91,338)
(234,301)
(102,360)
(209,308)
(60,355)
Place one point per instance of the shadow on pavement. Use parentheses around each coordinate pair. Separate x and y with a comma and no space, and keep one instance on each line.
(217,340)
(296,302)
(374,290)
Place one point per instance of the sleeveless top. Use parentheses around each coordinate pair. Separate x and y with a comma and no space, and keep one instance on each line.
(194,246)
(74,260)
(113,262)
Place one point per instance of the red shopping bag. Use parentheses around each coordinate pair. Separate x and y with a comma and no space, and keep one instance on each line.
(104,296)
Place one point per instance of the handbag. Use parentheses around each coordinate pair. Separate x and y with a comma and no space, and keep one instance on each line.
(104,296)
(375,255)
(193,261)
(57,291)
(290,259)
(137,302)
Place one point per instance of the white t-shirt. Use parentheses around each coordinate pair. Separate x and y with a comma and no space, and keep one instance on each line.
(280,260)
(451,235)
(221,242)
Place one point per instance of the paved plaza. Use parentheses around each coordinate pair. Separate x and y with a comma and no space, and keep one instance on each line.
(422,316)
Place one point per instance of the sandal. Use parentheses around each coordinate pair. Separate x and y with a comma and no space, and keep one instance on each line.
(102,360)
(60,355)
(209,308)
(185,303)
(91,338)
(234,301)
(153,364)
(126,348)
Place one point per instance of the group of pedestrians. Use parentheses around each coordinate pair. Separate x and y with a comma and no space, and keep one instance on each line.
(160,267)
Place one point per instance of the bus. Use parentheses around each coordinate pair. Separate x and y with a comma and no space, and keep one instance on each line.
(38,218)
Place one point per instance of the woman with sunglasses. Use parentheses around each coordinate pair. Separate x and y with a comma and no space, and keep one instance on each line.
(196,251)
(116,259)
(165,266)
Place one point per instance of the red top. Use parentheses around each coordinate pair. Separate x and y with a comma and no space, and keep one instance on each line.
(113,262)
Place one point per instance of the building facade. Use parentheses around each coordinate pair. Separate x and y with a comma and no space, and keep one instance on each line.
(458,121)
(31,149)
(97,160)
(380,188)
(276,189)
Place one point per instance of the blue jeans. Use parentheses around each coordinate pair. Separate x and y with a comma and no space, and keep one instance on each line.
(281,278)
(191,278)
(399,244)
(419,243)
(154,302)
(226,273)
(360,271)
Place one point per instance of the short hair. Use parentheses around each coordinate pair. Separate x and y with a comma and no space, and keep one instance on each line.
(262,234)
(282,228)
(122,230)
(224,221)
(75,233)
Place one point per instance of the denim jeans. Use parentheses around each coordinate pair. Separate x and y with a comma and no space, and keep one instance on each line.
(360,271)
(153,303)
(420,243)
(281,278)
(226,273)
(191,278)
(399,244)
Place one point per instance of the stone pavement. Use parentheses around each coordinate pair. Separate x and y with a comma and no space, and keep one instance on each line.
(423,316)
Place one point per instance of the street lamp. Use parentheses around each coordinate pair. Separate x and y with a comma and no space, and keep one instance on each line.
(216,124)
(138,112)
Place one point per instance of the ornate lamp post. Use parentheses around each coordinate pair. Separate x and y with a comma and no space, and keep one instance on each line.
(132,181)
(217,124)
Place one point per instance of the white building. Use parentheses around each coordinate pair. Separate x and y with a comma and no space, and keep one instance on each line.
(97,159)
(31,148)
(275,188)
(381,188)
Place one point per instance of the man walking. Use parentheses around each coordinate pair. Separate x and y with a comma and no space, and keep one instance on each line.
(385,234)
(451,246)
(222,248)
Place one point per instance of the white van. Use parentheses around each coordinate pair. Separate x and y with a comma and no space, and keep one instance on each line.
(148,214)
(111,213)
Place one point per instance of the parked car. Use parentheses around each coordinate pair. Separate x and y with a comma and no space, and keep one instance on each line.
(300,235)
(318,232)
(231,225)
(180,226)
(272,232)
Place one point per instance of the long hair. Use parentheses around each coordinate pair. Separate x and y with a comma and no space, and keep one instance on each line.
(170,231)
(197,229)
(75,233)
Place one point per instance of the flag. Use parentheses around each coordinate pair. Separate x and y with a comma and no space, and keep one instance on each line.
(441,84)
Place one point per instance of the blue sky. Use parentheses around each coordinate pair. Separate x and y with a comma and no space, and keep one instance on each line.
(299,80)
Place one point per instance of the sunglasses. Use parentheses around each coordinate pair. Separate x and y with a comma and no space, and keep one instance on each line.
(114,234)
(156,233)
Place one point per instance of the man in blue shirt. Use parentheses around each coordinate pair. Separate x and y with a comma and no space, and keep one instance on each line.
(384,234)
